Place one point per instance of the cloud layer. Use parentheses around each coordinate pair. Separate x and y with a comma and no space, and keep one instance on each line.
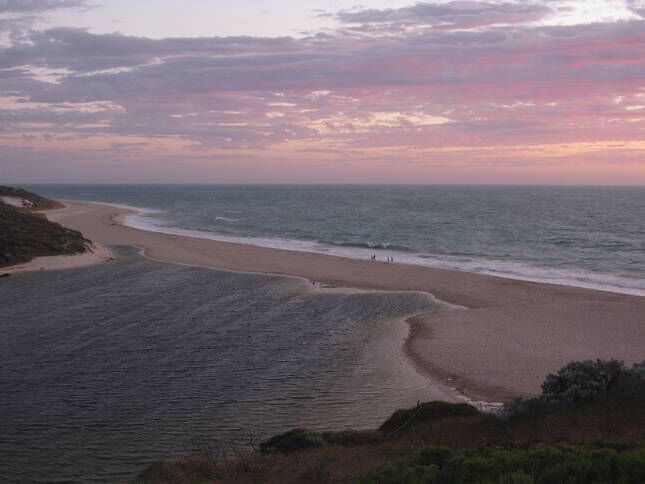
(451,15)
(31,6)
(404,90)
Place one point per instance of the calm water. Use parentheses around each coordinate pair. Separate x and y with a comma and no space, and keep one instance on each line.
(583,236)
(106,369)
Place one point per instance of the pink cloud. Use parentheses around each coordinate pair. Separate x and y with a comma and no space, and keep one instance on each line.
(336,96)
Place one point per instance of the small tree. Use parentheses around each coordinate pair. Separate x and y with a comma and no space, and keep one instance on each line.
(581,381)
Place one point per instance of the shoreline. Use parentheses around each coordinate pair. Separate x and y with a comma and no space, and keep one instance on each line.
(513,333)
(542,275)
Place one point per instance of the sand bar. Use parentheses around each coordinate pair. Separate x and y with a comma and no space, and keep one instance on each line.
(512,334)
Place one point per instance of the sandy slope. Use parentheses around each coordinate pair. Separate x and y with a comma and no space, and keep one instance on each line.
(97,254)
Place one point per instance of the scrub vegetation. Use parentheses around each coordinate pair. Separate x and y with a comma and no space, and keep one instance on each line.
(588,425)
(25,233)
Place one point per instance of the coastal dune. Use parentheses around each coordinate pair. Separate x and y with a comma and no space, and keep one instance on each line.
(502,341)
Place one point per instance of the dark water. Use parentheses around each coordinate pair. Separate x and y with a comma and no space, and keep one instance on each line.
(106,369)
(581,236)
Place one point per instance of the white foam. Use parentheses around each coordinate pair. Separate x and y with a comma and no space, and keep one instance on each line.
(510,270)
(139,210)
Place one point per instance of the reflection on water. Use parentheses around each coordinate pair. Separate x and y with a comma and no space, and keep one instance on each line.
(106,369)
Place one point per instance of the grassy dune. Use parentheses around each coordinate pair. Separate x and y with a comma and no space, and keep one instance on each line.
(25,234)
(37,202)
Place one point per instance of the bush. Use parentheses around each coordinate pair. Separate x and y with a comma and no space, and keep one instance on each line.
(631,383)
(578,383)
(521,407)
(294,440)
(541,464)
(637,371)
(581,381)
(426,412)
(24,236)
(631,465)
(352,437)
(519,477)
(403,472)
(438,456)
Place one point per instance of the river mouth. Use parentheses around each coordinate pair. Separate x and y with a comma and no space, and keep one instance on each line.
(108,368)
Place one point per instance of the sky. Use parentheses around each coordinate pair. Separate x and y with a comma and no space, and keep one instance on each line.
(322,91)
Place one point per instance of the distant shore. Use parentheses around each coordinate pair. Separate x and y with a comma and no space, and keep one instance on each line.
(511,334)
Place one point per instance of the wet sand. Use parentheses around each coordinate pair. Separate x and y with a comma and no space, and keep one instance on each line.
(506,338)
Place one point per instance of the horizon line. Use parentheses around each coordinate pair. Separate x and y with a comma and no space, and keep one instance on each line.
(15,184)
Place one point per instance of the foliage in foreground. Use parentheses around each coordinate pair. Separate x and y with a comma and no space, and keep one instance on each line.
(586,405)
(599,462)
(426,412)
(579,383)
(302,439)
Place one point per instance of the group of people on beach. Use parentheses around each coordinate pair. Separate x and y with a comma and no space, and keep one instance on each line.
(390,260)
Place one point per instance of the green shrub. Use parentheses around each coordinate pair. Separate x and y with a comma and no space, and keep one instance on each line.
(631,383)
(518,477)
(24,236)
(541,464)
(581,381)
(403,472)
(294,440)
(438,456)
(604,464)
(352,437)
(631,466)
(637,370)
(426,412)
(578,383)
(522,407)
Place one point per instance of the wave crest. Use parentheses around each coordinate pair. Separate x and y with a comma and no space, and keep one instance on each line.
(368,245)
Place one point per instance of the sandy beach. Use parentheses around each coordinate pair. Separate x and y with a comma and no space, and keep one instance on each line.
(509,335)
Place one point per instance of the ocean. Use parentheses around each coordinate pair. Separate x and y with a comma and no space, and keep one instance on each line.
(581,236)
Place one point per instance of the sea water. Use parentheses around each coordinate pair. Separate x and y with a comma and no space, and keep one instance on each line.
(582,236)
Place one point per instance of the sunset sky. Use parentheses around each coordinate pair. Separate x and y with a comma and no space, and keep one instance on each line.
(319,91)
